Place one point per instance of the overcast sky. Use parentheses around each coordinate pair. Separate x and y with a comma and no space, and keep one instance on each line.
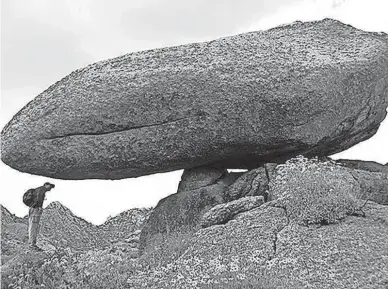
(44,40)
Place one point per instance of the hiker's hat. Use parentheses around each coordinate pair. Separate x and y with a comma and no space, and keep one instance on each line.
(49,184)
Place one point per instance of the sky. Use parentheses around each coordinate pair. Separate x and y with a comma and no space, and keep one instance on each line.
(44,40)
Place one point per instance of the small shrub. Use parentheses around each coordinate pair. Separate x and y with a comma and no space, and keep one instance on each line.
(314,192)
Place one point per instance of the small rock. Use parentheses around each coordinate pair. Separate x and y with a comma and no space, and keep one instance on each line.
(223,213)
(252,183)
(198,177)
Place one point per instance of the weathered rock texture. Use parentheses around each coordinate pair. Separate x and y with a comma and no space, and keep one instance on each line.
(316,232)
(262,248)
(180,213)
(223,213)
(300,177)
(308,88)
(374,186)
(198,177)
(342,190)
(372,178)
(252,183)
(364,165)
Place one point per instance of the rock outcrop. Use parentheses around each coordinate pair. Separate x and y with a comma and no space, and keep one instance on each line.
(118,227)
(317,231)
(180,213)
(372,178)
(262,248)
(299,176)
(216,201)
(374,186)
(312,88)
(364,165)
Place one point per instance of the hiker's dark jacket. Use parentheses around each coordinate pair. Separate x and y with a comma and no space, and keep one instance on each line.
(40,193)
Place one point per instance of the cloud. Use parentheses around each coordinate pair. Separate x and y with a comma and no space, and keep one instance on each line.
(367,15)
(170,21)
(43,40)
(36,54)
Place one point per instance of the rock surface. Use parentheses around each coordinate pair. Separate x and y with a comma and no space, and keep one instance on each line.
(343,191)
(223,213)
(300,177)
(374,186)
(118,227)
(180,213)
(364,165)
(252,183)
(198,177)
(314,233)
(235,102)
(263,248)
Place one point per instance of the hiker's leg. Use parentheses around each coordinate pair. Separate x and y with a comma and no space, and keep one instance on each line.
(34,220)
(30,211)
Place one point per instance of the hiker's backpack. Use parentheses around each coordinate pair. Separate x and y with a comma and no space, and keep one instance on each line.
(29,197)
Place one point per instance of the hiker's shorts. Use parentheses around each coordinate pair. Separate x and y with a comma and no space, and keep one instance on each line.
(34,216)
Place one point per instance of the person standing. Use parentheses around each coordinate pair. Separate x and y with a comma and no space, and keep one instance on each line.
(35,212)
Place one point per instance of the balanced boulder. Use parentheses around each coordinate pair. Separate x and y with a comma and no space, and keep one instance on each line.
(313,88)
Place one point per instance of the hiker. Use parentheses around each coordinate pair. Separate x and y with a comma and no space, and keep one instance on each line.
(34,199)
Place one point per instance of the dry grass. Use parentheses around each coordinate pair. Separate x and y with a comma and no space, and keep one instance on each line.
(315,192)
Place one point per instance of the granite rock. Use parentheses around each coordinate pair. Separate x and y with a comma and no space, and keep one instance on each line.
(314,88)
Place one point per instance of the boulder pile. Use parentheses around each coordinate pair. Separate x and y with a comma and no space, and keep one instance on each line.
(320,228)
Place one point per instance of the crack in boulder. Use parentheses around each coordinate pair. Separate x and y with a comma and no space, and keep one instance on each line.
(119,130)
(277,232)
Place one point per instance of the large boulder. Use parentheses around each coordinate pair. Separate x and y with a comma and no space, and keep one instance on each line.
(312,88)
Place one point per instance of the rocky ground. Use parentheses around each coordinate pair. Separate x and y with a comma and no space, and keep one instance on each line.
(71,246)
(311,224)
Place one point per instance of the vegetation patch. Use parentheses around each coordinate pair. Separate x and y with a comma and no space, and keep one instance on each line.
(315,192)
